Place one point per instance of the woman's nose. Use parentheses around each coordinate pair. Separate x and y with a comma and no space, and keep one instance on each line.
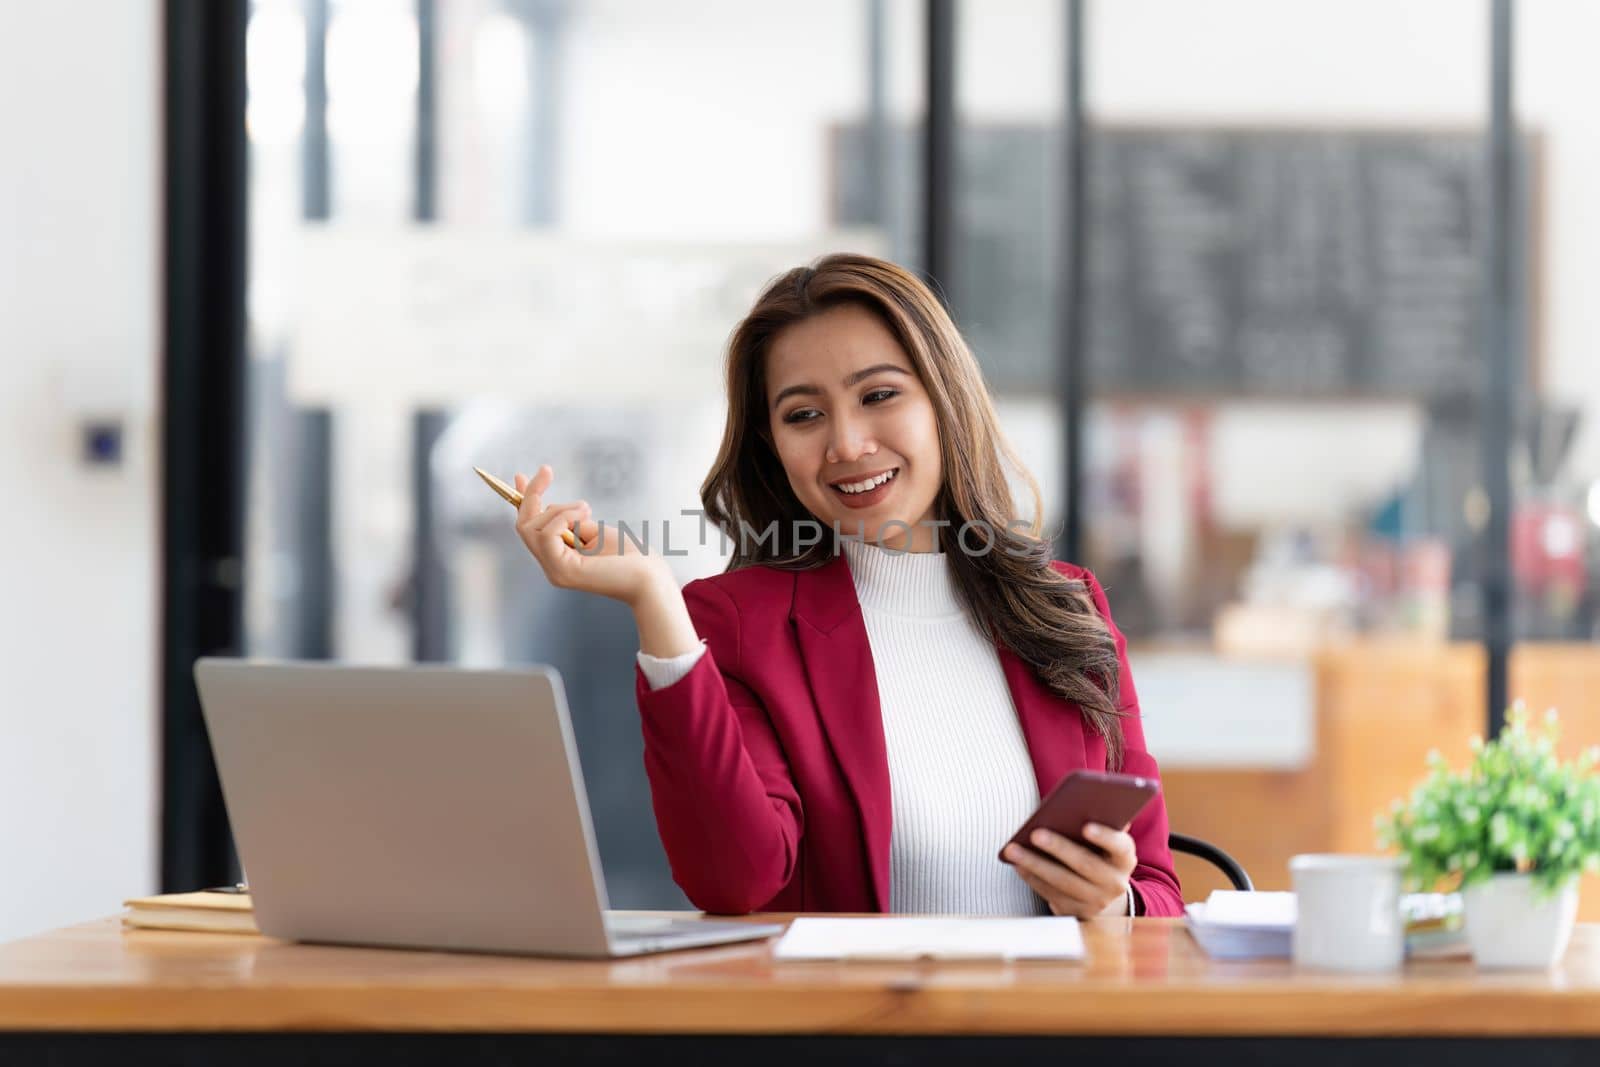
(849,442)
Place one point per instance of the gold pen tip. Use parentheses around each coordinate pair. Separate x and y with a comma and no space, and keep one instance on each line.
(516,498)
(512,496)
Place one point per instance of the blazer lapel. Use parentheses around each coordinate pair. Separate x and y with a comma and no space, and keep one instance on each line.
(833,643)
(1052,728)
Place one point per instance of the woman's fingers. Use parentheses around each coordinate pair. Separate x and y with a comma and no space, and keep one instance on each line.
(1073,877)
(1118,846)
(1093,867)
(568,544)
(578,508)
(542,479)
(1061,903)
(533,490)
(534,517)
(551,527)
(1060,880)
(588,533)
(531,503)
(566,520)
(551,546)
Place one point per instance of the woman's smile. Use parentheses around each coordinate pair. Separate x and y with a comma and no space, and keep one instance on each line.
(867,491)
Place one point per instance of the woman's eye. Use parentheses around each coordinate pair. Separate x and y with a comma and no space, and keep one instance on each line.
(879,395)
(801,415)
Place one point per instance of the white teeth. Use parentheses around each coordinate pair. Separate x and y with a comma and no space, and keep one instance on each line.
(862,487)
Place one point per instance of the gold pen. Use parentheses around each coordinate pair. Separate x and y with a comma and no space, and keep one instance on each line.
(514,498)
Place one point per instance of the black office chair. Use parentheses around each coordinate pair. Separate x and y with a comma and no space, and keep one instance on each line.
(1214,856)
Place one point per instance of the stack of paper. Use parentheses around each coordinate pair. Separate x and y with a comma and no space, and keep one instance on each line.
(206,910)
(1434,927)
(1236,925)
(1044,938)
(1232,925)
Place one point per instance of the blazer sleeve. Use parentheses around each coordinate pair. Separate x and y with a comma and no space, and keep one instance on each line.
(725,802)
(1154,881)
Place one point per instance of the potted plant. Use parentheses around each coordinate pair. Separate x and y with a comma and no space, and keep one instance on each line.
(1513,831)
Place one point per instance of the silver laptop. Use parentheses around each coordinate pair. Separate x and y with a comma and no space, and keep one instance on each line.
(420,807)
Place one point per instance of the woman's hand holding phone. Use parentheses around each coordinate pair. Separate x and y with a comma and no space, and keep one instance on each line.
(1089,876)
(1075,879)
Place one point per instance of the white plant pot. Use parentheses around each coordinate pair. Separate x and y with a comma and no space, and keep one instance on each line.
(1509,927)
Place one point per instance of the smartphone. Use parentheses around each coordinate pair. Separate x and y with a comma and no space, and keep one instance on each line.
(1088,796)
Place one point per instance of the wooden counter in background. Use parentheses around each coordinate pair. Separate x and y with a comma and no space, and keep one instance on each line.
(1380,707)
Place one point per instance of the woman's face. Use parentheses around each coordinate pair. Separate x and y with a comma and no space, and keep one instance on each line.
(854,427)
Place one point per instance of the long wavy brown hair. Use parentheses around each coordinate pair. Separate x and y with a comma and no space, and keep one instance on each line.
(1002,570)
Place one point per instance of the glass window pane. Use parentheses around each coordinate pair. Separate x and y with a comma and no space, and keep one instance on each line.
(1285,348)
(615,179)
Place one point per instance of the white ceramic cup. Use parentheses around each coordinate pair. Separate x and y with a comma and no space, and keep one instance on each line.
(1348,915)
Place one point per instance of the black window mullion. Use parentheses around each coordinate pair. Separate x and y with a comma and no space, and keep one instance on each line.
(1500,397)
(1070,260)
(203,466)
(430,593)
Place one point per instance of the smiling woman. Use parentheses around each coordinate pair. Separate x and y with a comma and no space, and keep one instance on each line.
(857,722)
(853,428)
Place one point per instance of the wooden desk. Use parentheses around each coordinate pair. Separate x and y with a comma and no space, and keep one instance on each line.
(1146,985)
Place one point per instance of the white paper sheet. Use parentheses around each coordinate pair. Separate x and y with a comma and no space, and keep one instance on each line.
(1259,909)
(896,938)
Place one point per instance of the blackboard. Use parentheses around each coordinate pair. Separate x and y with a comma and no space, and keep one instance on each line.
(1223,262)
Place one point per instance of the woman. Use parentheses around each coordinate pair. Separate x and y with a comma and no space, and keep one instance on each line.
(859,723)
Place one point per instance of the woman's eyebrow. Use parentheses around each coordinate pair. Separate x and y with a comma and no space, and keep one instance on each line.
(850,379)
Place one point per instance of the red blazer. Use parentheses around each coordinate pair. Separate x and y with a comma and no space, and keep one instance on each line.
(767,766)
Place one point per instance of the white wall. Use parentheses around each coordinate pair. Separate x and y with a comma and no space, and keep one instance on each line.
(709,119)
(79,290)
(1557,85)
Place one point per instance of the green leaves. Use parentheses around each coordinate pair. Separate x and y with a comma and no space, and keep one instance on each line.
(1515,808)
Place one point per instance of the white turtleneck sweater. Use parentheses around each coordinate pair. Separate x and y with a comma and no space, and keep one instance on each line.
(960,777)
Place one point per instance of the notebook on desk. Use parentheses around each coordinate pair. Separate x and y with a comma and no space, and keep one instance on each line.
(939,938)
(1243,925)
(204,911)
(1260,925)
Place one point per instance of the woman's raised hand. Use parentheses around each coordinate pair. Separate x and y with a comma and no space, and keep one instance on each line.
(602,562)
